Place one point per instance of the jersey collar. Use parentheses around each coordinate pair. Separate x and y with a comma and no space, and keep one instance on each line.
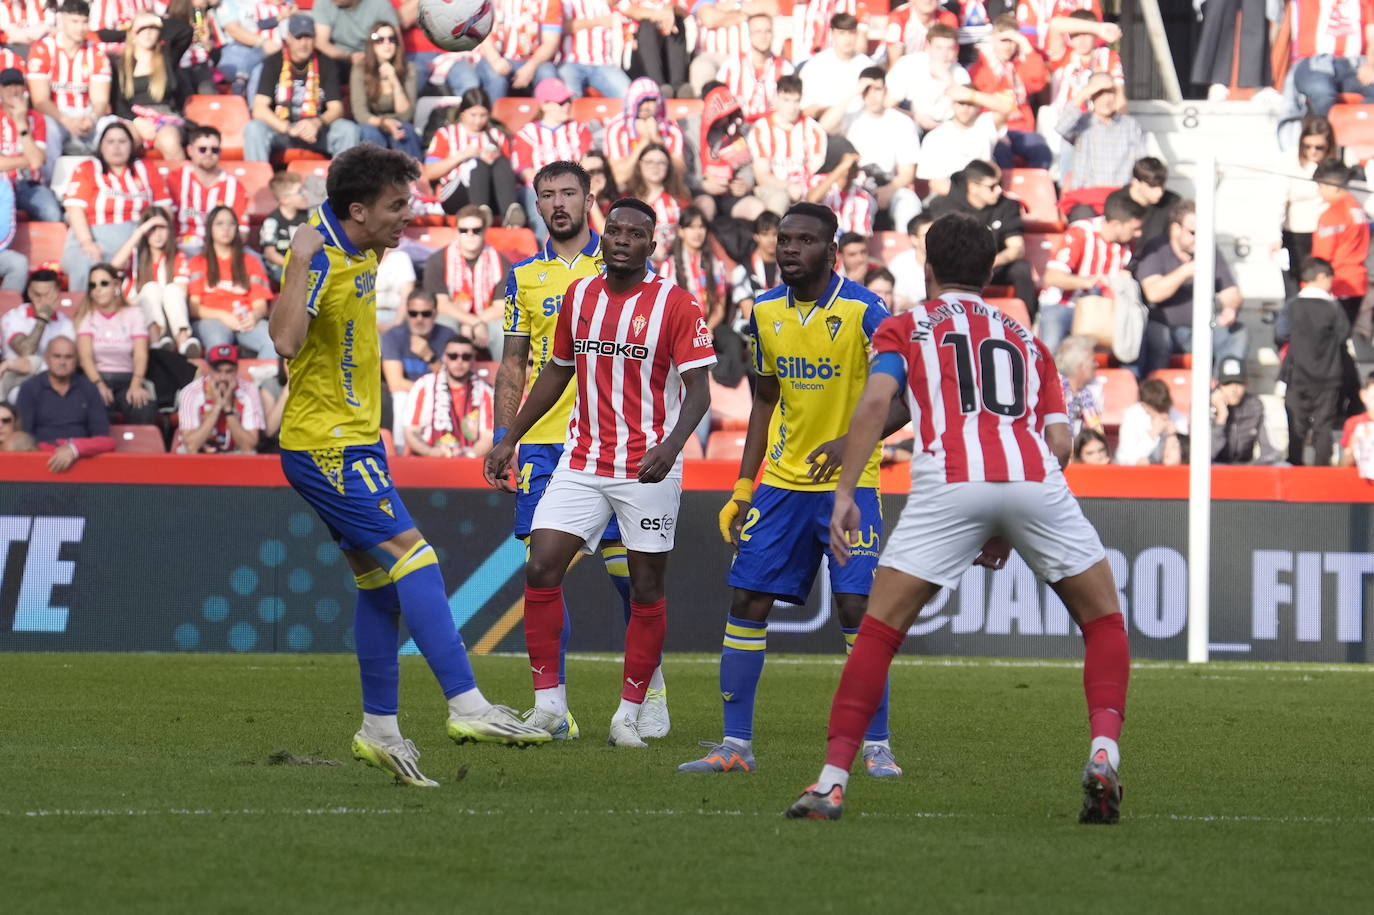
(828,297)
(334,233)
(593,245)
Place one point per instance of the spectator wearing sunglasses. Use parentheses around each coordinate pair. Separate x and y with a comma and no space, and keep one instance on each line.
(466,278)
(12,437)
(449,411)
(200,186)
(411,350)
(112,342)
(342,28)
(382,89)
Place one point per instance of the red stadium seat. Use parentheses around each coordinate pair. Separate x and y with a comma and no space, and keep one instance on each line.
(227,113)
(176,441)
(730,407)
(1181,361)
(40,242)
(1035,189)
(10,298)
(588,110)
(137,439)
(515,244)
(1180,382)
(680,109)
(883,246)
(1354,124)
(1013,307)
(692,450)
(1118,393)
(1039,248)
(434,237)
(255,176)
(292,156)
(515,113)
(725,446)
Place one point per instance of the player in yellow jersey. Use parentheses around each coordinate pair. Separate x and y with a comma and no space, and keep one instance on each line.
(325,323)
(810,339)
(534,295)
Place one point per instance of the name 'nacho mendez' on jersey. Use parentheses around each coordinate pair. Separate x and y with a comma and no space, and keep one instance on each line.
(945,311)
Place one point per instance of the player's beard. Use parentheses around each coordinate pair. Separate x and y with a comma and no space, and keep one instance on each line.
(812,274)
(576,223)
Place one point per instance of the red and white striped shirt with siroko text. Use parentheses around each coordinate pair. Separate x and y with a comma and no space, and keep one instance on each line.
(111,197)
(69,76)
(628,352)
(793,152)
(194,200)
(1084,252)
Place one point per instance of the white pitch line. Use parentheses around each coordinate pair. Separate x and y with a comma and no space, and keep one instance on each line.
(660,812)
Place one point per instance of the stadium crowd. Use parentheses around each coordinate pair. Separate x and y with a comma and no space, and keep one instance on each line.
(159,155)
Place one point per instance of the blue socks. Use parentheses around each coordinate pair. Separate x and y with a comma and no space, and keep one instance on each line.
(877,728)
(741,665)
(424,605)
(376,634)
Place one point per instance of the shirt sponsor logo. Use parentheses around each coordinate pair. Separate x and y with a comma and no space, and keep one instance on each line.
(610,348)
(801,367)
(347,365)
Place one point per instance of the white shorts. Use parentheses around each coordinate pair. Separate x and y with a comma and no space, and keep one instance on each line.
(581,503)
(943,528)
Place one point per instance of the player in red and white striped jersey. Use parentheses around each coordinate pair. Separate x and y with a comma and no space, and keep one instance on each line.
(1092,252)
(69,77)
(908,24)
(814,32)
(753,77)
(639,350)
(522,46)
(992,435)
(788,148)
(200,186)
(593,41)
(722,35)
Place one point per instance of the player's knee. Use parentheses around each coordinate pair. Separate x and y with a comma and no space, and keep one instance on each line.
(542,573)
(750,605)
(850,608)
(646,591)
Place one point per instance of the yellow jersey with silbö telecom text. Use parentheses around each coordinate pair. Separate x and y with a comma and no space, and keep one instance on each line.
(336,379)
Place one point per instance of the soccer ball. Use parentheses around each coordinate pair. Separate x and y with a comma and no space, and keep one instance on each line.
(456,25)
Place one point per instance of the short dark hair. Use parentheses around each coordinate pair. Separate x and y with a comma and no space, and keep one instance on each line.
(360,173)
(1151,171)
(563,167)
(791,84)
(960,251)
(1155,395)
(1085,15)
(75,8)
(877,73)
(1120,207)
(1181,211)
(767,221)
(844,22)
(1312,268)
(460,338)
(975,170)
(634,203)
(851,238)
(1087,436)
(914,223)
(824,215)
(41,275)
(940,30)
(135,144)
(197,131)
(1331,171)
(879,273)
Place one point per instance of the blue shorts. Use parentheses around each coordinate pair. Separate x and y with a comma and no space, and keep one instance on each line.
(535,465)
(351,490)
(786,534)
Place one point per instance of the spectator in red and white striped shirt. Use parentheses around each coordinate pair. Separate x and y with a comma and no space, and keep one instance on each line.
(69,79)
(24,149)
(722,35)
(520,51)
(1092,252)
(1331,44)
(106,197)
(200,186)
(841,191)
(753,78)
(554,137)
(908,25)
(1037,18)
(220,412)
(643,121)
(692,264)
(1077,46)
(469,162)
(788,148)
(591,48)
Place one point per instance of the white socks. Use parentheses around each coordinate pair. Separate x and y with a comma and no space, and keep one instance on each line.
(1113,751)
(885,744)
(740,744)
(553,700)
(656,681)
(467,704)
(628,710)
(832,776)
(383,728)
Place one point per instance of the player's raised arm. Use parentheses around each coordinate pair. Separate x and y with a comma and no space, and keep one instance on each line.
(291,316)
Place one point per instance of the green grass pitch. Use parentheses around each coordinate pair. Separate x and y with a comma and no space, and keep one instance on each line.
(143,783)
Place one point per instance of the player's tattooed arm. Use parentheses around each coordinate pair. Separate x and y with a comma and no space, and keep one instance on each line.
(510,379)
(553,381)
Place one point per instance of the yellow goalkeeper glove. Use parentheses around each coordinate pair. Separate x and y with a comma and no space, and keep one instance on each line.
(744,492)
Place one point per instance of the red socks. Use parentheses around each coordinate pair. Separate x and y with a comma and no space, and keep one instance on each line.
(861,689)
(643,646)
(543,630)
(1106,671)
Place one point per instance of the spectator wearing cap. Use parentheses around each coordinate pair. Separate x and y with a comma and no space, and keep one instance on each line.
(1238,420)
(1342,236)
(1313,327)
(69,81)
(220,412)
(590,47)
(830,77)
(1106,142)
(24,149)
(297,104)
(519,52)
(342,29)
(28,329)
(1166,280)
(977,190)
(449,411)
(552,137)
(62,409)
(887,143)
